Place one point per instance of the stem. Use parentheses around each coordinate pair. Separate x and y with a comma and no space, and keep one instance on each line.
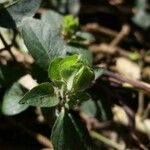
(124,31)
(135,83)
(140,103)
(106,141)
(7,46)
(146,112)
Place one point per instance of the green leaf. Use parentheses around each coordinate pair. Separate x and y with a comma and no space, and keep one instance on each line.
(66,74)
(142,15)
(69,133)
(54,69)
(10,104)
(98,105)
(78,98)
(70,23)
(66,6)
(89,107)
(85,54)
(62,69)
(12,16)
(70,61)
(43,43)
(98,72)
(41,96)
(85,36)
(83,78)
(54,19)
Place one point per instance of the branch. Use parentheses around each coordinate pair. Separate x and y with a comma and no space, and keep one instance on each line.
(138,84)
(8,46)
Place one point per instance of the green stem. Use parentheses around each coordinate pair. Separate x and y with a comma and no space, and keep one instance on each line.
(146,112)
(140,103)
(106,141)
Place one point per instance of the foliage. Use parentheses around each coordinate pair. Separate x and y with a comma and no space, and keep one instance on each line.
(142,17)
(55,43)
(68,86)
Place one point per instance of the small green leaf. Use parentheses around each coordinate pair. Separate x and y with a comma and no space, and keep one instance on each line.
(54,69)
(134,55)
(70,61)
(83,78)
(41,96)
(67,73)
(61,70)
(84,53)
(69,133)
(85,36)
(42,42)
(70,23)
(54,19)
(12,16)
(10,104)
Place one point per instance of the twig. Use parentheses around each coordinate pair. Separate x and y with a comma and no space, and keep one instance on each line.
(140,103)
(93,123)
(106,141)
(98,28)
(146,112)
(124,31)
(7,46)
(138,84)
(141,145)
(3,40)
(112,47)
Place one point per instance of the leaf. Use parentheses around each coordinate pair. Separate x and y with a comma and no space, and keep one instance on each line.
(61,69)
(98,72)
(43,43)
(69,61)
(74,6)
(97,106)
(142,16)
(83,78)
(69,133)
(64,6)
(142,19)
(10,104)
(78,98)
(54,69)
(70,23)
(41,96)
(12,16)
(54,19)
(85,54)
(85,36)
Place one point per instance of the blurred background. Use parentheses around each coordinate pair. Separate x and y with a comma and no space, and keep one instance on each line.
(119,40)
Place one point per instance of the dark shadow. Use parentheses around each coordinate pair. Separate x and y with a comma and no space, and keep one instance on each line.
(6,19)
